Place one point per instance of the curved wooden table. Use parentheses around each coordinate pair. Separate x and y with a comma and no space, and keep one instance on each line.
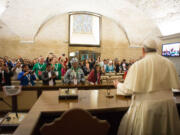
(94,101)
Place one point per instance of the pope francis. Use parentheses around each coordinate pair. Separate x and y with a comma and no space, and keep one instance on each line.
(150,81)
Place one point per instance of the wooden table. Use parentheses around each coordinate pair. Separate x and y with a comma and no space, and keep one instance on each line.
(94,101)
(91,100)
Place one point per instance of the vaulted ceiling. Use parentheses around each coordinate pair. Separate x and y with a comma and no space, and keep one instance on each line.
(138,18)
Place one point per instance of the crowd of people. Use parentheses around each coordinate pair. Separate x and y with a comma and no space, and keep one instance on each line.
(53,68)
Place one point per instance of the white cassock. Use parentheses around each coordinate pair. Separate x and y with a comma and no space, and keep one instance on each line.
(153,110)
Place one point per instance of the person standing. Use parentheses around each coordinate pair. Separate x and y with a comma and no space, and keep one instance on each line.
(57,67)
(5,75)
(150,81)
(39,67)
(95,75)
(48,76)
(27,76)
(74,75)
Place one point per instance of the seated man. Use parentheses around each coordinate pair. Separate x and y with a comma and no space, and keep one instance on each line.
(48,76)
(74,75)
(27,76)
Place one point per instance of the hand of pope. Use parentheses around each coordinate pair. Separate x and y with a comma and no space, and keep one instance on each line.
(115,83)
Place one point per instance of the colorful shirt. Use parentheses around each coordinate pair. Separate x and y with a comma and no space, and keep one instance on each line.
(57,70)
(72,75)
(39,68)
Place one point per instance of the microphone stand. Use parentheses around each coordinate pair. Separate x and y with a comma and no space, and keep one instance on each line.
(1,99)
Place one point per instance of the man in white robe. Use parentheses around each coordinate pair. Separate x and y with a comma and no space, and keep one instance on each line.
(150,81)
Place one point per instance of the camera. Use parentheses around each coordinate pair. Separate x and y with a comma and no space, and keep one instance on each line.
(31,71)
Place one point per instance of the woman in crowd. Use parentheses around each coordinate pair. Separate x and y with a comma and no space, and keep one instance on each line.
(57,67)
(95,75)
(63,60)
(111,66)
(116,66)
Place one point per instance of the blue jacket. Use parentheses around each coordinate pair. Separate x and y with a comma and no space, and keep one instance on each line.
(24,79)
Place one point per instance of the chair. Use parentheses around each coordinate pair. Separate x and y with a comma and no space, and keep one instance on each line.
(76,122)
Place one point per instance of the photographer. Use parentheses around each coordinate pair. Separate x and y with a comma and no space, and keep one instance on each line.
(27,76)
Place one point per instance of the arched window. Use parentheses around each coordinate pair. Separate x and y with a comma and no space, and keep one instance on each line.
(84,29)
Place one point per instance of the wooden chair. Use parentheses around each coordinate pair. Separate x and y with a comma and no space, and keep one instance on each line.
(76,122)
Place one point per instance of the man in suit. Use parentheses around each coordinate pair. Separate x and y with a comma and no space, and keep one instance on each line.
(48,76)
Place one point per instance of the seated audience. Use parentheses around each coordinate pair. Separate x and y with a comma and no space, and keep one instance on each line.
(48,76)
(27,76)
(74,75)
(95,75)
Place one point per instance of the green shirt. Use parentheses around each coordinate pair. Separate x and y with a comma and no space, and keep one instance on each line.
(57,68)
(39,67)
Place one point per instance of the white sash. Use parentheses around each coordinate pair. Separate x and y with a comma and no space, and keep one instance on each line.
(51,83)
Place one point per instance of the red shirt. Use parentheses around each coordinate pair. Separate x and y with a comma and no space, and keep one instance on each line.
(91,77)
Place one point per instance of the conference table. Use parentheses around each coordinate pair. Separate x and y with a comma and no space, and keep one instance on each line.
(48,107)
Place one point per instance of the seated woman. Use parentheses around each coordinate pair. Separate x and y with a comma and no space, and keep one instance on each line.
(27,76)
(74,75)
(95,75)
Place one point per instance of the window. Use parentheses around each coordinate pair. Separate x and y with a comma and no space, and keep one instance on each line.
(84,29)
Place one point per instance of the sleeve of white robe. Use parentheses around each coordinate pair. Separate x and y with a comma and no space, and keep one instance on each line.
(122,90)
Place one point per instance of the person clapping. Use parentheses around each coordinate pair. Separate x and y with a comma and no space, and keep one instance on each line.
(48,76)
